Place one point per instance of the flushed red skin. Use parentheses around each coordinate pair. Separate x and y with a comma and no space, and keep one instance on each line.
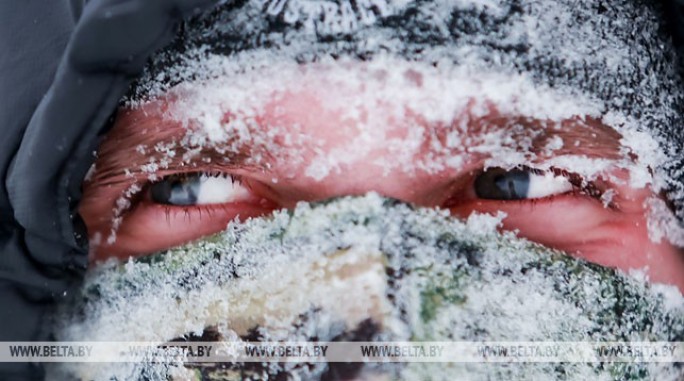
(615,236)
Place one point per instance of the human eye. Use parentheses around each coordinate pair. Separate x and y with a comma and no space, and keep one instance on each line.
(589,217)
(176,208)
(203,195)
(198,189)
(520,184)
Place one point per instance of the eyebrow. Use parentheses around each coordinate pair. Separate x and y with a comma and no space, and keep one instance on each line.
(137,150)
(586,136)
(131,151)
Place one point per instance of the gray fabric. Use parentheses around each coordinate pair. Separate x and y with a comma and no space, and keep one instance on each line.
(61,81)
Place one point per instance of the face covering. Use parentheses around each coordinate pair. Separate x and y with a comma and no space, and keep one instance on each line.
(369,269)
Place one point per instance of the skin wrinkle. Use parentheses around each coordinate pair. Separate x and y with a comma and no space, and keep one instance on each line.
(113,160)
(118,169)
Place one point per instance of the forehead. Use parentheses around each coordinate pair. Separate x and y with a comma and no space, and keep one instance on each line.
(324,117)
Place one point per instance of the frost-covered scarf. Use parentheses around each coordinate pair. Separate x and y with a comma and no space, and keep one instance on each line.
(369,269)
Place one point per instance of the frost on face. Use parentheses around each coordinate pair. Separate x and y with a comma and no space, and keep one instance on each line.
(439,69)
(122,204)
(369,268)
(437,66)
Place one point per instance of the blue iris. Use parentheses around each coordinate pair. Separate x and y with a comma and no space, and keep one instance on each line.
(176,190)
(502,184)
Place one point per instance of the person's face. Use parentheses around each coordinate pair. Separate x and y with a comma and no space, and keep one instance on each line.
(542,113)
(186,164)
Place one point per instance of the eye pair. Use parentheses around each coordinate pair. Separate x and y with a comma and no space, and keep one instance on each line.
(491,184)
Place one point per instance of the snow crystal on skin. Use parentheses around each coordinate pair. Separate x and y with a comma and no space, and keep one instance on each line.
(589,168)
(443,91)
(607,197)
(584,49)
(90,173)
(456,70)
(662,223)
(237,91)
(122,204)
(266,265)
(647,150)
(242,81)
(554,144)
(369,102)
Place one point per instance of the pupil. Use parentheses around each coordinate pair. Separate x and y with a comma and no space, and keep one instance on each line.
(176,191)
(500,184)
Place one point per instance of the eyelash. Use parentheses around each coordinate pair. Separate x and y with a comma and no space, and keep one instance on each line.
(580,187)
(578,183)
(188,210)
(210,173)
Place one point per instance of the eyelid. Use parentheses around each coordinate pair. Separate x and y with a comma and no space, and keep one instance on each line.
(202,187)
(599,189)
(197,219)
(594,189)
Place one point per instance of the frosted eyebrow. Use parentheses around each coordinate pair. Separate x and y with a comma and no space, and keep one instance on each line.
(576,136)
(141,147)
(599,141)
(122,149)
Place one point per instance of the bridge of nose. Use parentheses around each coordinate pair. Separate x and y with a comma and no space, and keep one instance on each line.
(351,149)
(417,187)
